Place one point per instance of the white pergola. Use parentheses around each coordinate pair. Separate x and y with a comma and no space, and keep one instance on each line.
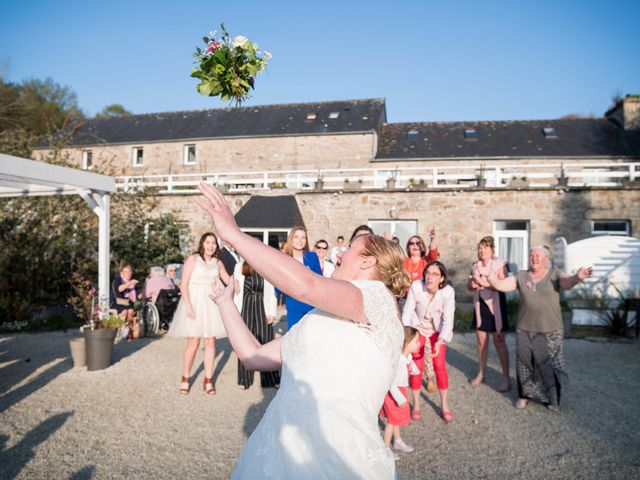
(20,177)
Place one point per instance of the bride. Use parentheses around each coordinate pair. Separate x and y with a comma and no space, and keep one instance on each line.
(337,363)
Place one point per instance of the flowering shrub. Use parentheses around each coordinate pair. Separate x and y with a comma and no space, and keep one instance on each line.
(227,68)
(83,296)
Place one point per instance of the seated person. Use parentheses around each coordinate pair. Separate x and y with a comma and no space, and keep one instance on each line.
(172,273)
(157,281)
(123,294)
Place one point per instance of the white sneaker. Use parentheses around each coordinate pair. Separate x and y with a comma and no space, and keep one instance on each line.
(403,447)
(395,455)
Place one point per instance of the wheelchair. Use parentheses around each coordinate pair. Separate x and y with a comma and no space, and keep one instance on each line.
(158,315)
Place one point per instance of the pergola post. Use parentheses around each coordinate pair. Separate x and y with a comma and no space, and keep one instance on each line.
(100,203)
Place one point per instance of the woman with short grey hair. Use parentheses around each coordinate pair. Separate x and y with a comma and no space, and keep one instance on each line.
(541,374)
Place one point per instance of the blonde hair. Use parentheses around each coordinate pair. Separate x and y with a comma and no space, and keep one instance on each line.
(288,247)
(488,241)
(389,263)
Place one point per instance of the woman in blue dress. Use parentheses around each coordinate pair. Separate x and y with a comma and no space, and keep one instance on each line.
(297,246)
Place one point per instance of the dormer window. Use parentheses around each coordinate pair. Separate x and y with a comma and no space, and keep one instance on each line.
(312,116)
(412,134)
(470,133)
(549,132)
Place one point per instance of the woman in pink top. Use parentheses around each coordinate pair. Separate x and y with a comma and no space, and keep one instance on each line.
(430,307)
(489,312)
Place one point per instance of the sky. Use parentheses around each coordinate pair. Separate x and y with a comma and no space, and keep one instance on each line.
(455,60)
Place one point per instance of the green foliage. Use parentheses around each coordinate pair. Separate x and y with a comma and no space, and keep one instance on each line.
(111,321)
(462,320)
(113,110)
(32,112)
(610,308)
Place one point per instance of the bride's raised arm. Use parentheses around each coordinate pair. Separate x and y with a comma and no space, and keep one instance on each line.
(338,297)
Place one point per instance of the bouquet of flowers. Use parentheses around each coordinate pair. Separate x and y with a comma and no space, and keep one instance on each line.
(228,67)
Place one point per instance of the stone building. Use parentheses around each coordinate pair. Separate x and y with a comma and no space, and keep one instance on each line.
(335,165)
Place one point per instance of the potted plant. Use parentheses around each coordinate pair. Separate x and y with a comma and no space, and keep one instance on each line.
(481,179)
(563,180)
(99,337)
(391,181)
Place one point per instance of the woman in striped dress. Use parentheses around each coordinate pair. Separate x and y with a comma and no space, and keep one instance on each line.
(259,314)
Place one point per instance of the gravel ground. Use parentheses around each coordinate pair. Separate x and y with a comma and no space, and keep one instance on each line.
(129,421)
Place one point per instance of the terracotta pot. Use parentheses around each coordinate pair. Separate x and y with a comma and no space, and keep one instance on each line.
(78,352)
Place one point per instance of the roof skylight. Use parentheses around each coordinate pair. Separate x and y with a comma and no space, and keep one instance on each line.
(549,132)
(312,116)
(412,134)
(333,115)
(470,133)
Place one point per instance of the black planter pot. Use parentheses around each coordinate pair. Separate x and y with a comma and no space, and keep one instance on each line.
(99,347)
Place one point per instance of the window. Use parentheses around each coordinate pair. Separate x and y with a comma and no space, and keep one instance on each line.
(334,115)
(189,154)
(610,227)
(87,159)
(136,156)
(470,133)
(512,242)
(403,229)
(274,237)
(412,134)
(549,132)
(311,116)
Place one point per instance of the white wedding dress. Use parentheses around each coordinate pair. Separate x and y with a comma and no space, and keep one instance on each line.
(323,422)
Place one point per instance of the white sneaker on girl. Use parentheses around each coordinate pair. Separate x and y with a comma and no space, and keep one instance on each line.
(403,447)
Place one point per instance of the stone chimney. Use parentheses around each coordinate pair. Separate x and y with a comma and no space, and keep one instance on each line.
(626,112)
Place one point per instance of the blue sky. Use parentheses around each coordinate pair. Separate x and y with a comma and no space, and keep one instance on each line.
(431,60)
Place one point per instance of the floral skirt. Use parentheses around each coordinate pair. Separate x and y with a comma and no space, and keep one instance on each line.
(540,366)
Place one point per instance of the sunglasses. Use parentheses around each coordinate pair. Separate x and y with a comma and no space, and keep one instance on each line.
(318,247)
(415,242)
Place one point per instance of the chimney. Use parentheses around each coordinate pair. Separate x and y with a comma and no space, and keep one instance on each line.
(626,112)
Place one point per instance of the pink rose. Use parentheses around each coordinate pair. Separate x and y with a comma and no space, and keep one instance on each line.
(213,47)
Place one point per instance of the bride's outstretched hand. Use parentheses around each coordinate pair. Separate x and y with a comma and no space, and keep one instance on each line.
(220,293)
(215,205)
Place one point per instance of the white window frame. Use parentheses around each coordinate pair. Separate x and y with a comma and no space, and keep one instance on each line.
(87,159)
(266,231)
(137,160)
(376,226)
(523,234)
(185,154)
(600,233)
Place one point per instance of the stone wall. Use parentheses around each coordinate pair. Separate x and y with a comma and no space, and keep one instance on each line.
(232,155)
(461,217)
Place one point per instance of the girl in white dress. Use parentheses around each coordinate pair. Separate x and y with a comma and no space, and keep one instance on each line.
(196,316)
(337,363)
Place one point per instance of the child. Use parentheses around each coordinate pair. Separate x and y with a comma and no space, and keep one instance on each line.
(396,404)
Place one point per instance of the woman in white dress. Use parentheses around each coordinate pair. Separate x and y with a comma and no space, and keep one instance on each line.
(196,316)
(337,363)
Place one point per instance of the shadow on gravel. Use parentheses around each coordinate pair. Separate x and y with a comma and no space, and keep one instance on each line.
(85,473)
(124,348)
(469,367)
(16,457)
(19,367)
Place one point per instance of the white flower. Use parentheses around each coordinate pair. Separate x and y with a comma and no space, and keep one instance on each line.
(240,41)
(267,55)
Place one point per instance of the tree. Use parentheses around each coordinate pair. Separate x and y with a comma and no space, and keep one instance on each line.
(113,110)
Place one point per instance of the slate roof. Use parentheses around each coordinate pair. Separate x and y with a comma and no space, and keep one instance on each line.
(270,212)
(575,137)
(265,120)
